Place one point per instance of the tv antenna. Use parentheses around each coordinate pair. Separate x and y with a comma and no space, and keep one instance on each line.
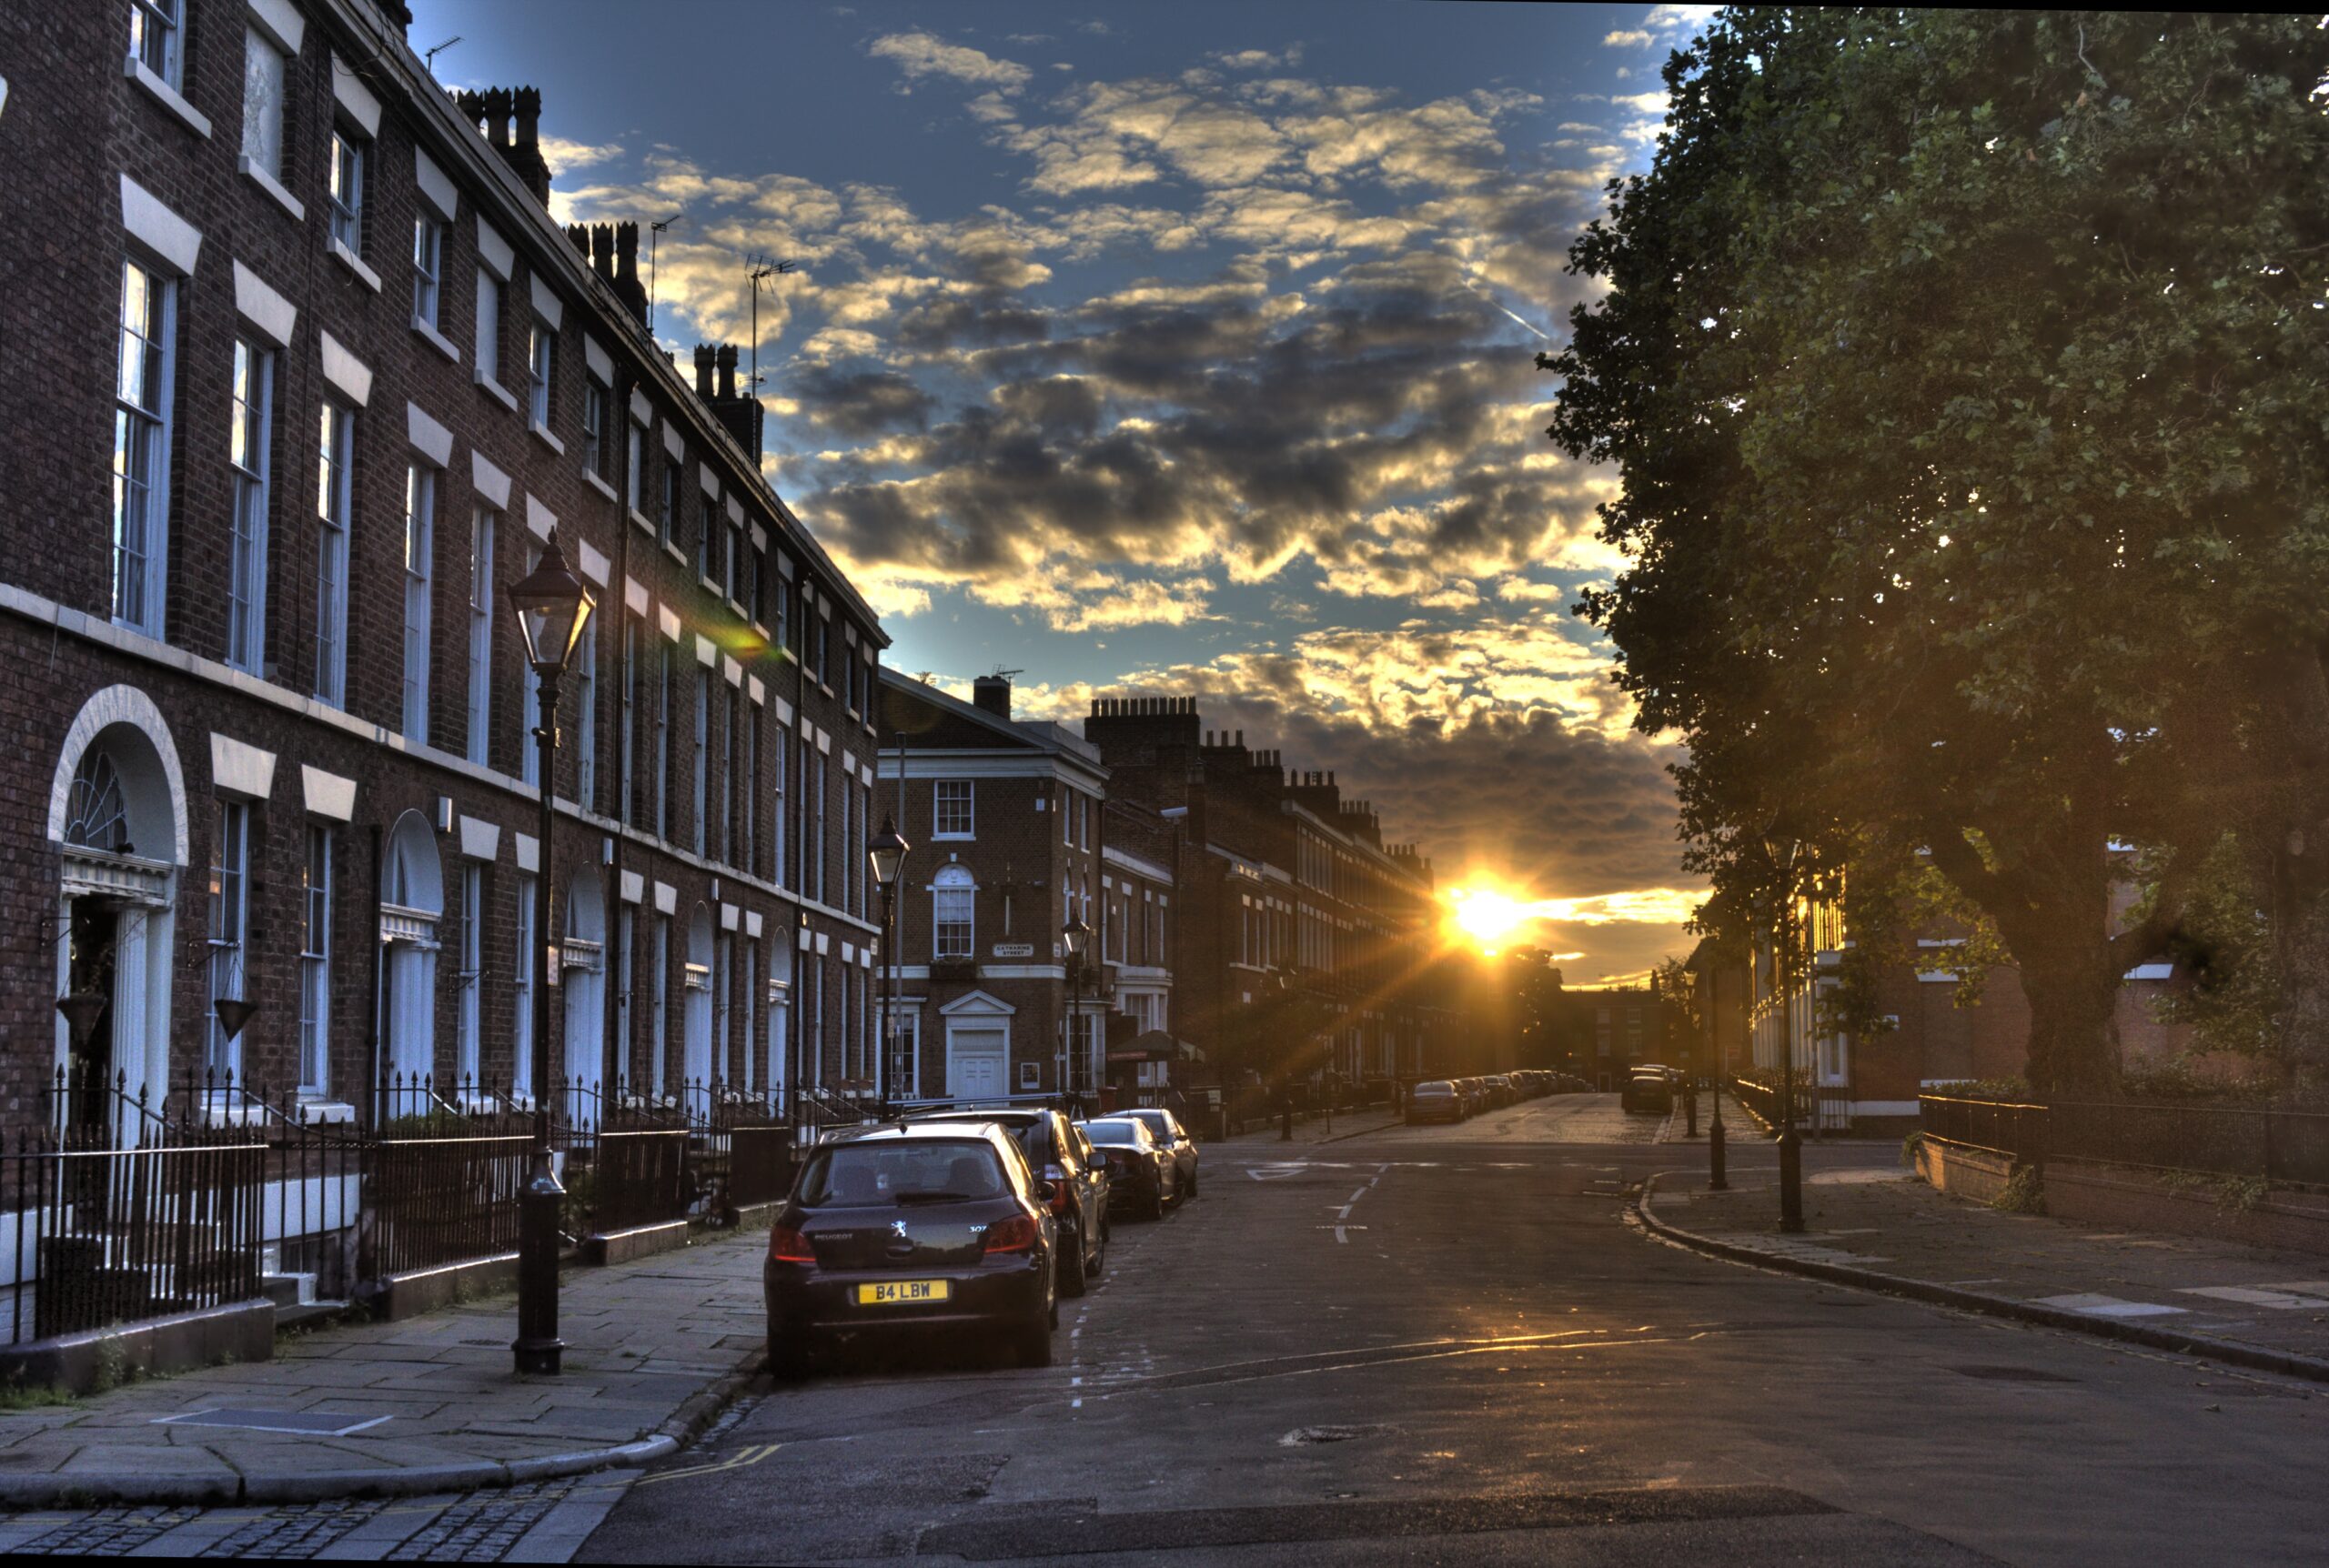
(429,57)
(654,236)
(760,269)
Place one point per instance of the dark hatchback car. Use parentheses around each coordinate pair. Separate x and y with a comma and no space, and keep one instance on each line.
(1166,1129)
(921,1229)
(1060,1155)
(1647,1089)
(1141,1171)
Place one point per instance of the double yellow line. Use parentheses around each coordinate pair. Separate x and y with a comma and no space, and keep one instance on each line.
(750,1455)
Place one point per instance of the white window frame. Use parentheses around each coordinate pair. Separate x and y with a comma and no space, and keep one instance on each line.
(723,978)
(586,717)
(530,705)
(634,459)
(598,407)
(953,914)
(939,814)
(471,976)
(703,754)
(484,523)
(542,368)
(344,179)
(335,502)
(229,925)
(488,327)
(248,452)
(427,266)
(315,961)
(419,594)
(627,720)
(522,967)
(665,659)
(141,464)
(157,38)
(659,1005)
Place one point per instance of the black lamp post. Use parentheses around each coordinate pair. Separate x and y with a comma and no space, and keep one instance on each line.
(1783,850)
(887,850)
(552,607)
(1078,936)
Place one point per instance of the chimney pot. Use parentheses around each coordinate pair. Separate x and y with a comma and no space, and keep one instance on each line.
(727,361)
(703,357)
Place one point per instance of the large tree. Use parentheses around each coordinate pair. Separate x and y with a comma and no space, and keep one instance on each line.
(1965,375)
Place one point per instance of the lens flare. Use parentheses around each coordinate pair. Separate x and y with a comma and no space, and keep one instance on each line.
(1486,916)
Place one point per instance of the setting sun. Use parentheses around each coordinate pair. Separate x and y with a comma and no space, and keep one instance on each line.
(1486,916)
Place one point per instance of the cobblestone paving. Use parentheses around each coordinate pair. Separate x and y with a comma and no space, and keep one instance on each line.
(479,1527)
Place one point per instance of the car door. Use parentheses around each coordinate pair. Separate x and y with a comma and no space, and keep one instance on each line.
(1092,1181)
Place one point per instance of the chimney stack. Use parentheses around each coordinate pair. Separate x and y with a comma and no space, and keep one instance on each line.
(704,355)
(991,693)
(727,361)
(627,284)
(602,251)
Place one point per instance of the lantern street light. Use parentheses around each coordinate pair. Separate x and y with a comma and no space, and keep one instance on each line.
(887,850)
(552,607)
(1078,938)
(1782,849)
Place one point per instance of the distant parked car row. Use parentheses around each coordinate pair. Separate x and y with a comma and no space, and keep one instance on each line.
(1459,1099)
(966,1222)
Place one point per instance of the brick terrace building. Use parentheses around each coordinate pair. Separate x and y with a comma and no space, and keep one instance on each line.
(301,376)
(1009,844)
(1305,944)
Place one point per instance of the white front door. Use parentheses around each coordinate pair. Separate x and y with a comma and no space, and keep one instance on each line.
(975,1057)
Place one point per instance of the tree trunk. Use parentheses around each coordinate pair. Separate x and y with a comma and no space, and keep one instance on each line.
(2070,976)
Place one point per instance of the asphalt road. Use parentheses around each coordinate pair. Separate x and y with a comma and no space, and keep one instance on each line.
(1448,1345)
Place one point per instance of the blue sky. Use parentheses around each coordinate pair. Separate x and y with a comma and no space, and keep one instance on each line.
(1178,349)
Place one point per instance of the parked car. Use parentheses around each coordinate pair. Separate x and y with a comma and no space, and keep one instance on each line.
(1500,1090)
(1060,1155)
(921,1229)
(1142,1175)
(1647,1089)
(1475,1094)
(1166,1129)
(1435,1101)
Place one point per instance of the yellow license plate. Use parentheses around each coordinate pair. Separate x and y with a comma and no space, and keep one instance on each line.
(902,1293)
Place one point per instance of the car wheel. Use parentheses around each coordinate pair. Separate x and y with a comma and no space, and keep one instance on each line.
(1071,1272)
(1036,1343)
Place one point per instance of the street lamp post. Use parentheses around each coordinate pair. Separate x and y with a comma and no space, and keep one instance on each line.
(1782,851)
(1078,936)
(887,851)
(552,607)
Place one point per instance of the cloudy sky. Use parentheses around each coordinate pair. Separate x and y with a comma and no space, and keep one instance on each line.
(1174,349)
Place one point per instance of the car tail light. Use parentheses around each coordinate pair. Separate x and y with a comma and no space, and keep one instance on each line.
(1016,1234)
(788,1245)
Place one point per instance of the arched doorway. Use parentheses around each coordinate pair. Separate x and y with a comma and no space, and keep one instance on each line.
(695,1069)
(582,965)
(117,816)
(412,901)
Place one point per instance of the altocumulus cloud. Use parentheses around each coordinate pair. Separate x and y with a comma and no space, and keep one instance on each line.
(1308,377)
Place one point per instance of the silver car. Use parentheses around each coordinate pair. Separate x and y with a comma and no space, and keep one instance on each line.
(1166,1129)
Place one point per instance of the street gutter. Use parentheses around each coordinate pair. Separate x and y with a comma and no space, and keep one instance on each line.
(2260,1358)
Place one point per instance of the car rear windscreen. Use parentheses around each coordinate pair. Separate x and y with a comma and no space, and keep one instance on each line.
(1431,1090)
(1117,1134)
(918,1171)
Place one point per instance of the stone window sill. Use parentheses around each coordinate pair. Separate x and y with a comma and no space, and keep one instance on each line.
(274,187)
(498,392)
(355,264)
(162,92)
(437,340)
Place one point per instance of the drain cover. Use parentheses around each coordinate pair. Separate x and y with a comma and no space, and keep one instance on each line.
(2011,1374)
(1301,1436)
(305,1422)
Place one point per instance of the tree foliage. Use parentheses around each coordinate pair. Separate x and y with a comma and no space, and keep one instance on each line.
(1965,375)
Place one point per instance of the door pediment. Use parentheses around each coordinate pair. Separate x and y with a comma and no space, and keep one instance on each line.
(978,1004)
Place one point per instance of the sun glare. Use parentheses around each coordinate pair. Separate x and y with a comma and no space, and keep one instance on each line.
(1486,916)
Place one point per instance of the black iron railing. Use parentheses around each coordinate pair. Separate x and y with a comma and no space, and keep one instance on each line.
(105,1234)
(2286,1148)
(436,1201)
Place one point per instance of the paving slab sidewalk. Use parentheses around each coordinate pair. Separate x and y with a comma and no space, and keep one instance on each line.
(1317,1129)
(1881,1226)
(653,1348)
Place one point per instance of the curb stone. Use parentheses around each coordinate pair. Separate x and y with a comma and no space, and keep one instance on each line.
(2260,1358)
(696,1414)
